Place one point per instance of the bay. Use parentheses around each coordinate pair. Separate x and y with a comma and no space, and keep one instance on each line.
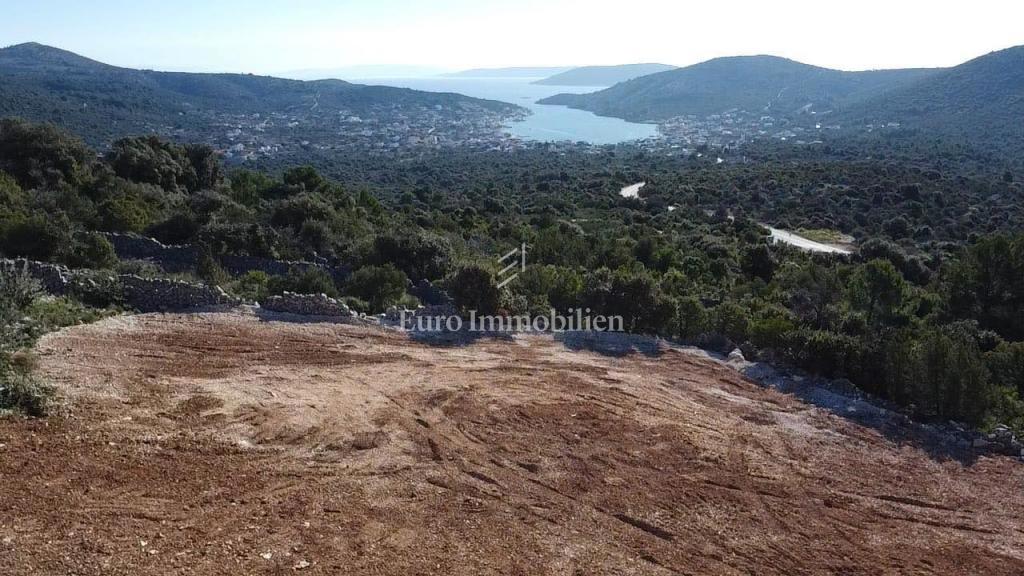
(546,123)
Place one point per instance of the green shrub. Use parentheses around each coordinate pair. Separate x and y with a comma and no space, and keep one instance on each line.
(24,393)
(90,250)
(253,286)
(380,286)
(36,238)
(1006,363)
(691,319)
(309,281)
(473,287)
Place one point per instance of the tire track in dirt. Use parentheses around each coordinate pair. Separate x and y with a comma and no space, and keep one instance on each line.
(217,439)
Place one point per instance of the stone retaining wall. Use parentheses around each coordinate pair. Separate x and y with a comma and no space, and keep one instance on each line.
(308,305)
(185,258)
(170,258)
(144,294)
(164,295)
(54,278)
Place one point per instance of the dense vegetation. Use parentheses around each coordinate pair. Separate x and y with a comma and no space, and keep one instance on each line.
(980,101)
(927,314)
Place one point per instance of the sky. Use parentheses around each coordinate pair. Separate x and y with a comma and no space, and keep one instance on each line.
(265,37)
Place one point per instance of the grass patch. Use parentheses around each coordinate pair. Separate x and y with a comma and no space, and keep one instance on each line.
(823,235)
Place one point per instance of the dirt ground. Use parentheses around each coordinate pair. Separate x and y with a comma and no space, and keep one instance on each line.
(225,444)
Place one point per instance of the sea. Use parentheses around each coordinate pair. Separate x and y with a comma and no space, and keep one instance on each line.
(546,123)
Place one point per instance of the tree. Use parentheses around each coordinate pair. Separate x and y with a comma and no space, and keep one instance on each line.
(151,160)
(691,318)
(730,320)
(379,286)
(985,283)
(1006,364)
(42,156)
(951,377)
(12,198)
(474,289)
(757,262)
(35,237)
(420,255)
(91,250)
(878,290)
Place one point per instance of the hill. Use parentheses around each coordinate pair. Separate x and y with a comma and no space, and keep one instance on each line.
(513,72)
(603,75)
(326,445)
(766,84)
(102,102)
(981,100)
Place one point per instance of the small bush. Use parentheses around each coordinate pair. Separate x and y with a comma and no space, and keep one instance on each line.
(310,281)
(90,250)
(24,393)
(253,286)
(380,286)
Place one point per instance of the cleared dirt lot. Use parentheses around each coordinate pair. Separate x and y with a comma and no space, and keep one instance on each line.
(224,444)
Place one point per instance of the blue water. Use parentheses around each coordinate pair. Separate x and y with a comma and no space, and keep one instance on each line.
(547,123)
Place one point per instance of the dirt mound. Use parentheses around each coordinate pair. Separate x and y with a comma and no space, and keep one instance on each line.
(223,444)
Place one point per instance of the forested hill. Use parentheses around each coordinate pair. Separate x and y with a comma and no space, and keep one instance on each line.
(102,102)
(603,75)
(981,100)
(770,84)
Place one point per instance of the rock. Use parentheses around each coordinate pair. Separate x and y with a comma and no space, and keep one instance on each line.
(736,356)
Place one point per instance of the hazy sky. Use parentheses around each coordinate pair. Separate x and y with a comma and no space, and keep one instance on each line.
(264,37)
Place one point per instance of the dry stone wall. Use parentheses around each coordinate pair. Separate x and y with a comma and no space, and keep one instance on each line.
(185,258)
(308,305)
(143,294)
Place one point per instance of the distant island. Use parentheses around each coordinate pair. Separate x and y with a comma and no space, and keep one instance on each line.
(603,75)
(513,72)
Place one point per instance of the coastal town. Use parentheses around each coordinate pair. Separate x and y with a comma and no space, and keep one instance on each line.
(248,137)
